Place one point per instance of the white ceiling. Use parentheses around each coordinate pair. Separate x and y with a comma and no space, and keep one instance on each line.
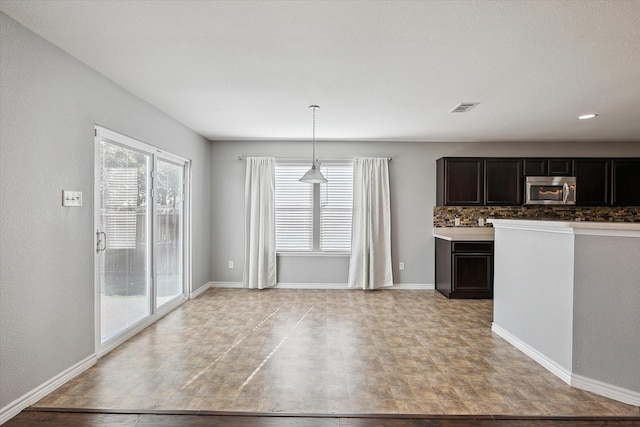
(380,70)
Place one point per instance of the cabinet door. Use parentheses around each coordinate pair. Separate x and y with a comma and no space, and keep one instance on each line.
(472,275)
(626,182)
(461,179)
(560,167)
(547,167)
(535,167)
(503,182)
(592,181)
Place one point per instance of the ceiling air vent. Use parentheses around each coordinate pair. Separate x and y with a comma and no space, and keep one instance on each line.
(463,107)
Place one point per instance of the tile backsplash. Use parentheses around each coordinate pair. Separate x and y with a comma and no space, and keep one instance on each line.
(445,216)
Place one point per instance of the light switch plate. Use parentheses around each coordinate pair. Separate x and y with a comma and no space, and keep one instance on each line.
(71,198)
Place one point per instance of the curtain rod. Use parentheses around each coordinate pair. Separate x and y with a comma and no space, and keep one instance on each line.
(304,158)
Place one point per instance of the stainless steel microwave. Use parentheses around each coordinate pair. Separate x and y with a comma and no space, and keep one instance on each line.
(550,190)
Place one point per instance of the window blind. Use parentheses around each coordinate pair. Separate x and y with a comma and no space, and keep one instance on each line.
(336,205)
(121,210)
(294,208)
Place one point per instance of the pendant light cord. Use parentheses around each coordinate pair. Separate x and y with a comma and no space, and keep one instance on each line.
(313,159)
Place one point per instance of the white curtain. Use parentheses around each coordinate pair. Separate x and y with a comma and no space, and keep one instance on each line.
(260,224)
(370,263)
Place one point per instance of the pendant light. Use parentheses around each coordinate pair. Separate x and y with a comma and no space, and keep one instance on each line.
(314,176)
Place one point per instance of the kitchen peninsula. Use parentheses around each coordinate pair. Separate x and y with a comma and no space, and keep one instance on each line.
(568,295)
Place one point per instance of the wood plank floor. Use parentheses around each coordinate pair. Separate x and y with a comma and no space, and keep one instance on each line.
(32,418)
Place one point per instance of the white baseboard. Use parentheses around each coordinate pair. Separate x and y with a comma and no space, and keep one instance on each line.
(281,285)
(404,286)
(415,286)
(543,360)
(200,290)
(225,284)
(620,394)
(31,397)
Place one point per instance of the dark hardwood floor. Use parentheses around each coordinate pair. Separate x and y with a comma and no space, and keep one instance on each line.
(61,418)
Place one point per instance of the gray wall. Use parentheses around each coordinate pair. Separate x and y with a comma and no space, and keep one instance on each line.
(533,290)
(412,182)
(49,104)
(606,342)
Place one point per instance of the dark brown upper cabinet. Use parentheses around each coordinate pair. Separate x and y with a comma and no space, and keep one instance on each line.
(626,182)
(592,181)
(536,167)
(560,167)
(547,167)
(478,181)
(503,182)
(460,181)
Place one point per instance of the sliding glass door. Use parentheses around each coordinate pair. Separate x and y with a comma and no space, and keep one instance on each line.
(141,218)
(169,215)
(123,238)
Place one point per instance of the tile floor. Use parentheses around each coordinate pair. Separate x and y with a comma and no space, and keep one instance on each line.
(326,351)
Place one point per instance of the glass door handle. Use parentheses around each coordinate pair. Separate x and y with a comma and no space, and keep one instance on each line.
(101,243)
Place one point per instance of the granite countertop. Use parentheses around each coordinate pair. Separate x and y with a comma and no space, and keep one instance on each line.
(464,233)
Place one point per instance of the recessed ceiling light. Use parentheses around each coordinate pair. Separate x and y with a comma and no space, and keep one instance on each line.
(587,116)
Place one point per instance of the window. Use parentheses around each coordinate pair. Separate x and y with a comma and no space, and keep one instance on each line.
(294,209)
(313,217)
(336,206)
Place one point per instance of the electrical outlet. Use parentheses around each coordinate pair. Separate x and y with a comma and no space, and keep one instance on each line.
(230,264)
(456,222)
(481,222)
(401,265)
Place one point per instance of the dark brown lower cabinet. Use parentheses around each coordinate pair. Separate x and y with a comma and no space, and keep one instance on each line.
(464,269)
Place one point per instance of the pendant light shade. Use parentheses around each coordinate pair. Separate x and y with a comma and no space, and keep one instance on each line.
(313,175)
